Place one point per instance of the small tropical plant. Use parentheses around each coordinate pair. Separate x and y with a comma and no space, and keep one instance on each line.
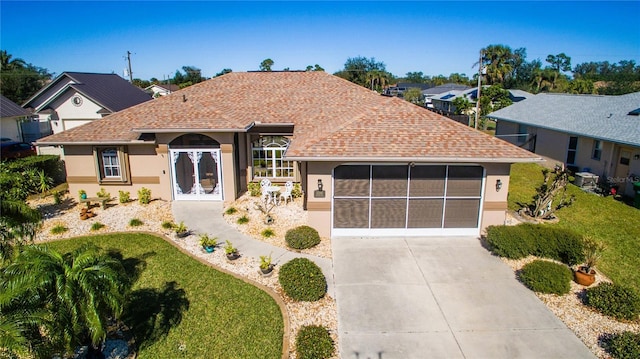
(231,210)
(268,232)
(82,193)
(229,248)
(168,225)
(97,226)
(59,229)
(206,241)
(180,228)
(265,263)
(44,182)
(144,195)
(57,197)
(254,189)
(592,253)
(135,222)
(124,197)
(243,220)
(103,194)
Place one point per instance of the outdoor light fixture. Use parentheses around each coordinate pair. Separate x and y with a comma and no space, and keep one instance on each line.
(319,193)
(498,185)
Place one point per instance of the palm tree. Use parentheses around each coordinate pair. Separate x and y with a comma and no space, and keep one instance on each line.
(79,291)
(18,226)
(498,63)
(6,63)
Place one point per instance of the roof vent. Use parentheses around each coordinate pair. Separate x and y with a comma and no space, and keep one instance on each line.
(184,98)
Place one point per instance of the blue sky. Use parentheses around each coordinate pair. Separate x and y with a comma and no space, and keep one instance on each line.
(435,37)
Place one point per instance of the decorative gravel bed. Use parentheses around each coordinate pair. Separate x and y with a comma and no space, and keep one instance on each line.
(116,218)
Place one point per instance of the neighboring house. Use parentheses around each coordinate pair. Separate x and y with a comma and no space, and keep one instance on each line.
(401,87)
(444,101)
(437,91)
(75,98)
(157,90)
(590,133)
(367,164)
(11,116)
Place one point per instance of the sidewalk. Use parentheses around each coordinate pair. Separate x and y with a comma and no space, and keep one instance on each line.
(206,217)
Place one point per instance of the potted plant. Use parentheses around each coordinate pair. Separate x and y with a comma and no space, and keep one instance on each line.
(82,194)
(208,243)
(266,267)
(586,275)
(181,230)
(231,251)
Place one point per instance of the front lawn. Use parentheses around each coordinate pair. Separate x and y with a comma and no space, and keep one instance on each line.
(604,218)
(181,308)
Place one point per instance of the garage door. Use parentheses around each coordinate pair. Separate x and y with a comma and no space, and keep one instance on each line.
(407,200)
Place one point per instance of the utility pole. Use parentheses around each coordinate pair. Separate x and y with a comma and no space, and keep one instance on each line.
(129,62)
(479,86)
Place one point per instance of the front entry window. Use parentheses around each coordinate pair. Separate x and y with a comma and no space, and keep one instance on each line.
(266,157)
(111,164)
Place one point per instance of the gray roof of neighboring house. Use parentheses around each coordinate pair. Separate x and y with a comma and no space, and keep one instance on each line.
(9,108)
(445,88)
(601,117)
(108,90)
(519,95)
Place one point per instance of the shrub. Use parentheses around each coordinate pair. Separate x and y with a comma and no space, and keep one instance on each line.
(614,300)
(144,195)
(302,280)
(97,226)
(296,191)
(314,342)
(168,225)
(103,194)
(59,229)
(519,241)
(254,189)
(546,277)
(57,197)
(268,232)
(243,220)
(302,237)
(124,197)
(625,345)
(134,222)
(231,210)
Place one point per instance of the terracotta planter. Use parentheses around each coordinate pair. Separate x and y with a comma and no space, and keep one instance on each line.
(584,278)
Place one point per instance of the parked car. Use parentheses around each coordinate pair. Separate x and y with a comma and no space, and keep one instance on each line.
(12,150)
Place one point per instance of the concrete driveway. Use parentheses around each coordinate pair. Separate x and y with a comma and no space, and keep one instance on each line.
(439,298)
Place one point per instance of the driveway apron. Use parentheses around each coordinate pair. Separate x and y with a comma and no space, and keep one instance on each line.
(439,297)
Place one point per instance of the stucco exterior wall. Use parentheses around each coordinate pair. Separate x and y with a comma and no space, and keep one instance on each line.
(9,128)
(70,115)
(553,144)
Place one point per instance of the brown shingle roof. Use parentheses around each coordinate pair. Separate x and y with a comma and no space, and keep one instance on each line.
(332,118)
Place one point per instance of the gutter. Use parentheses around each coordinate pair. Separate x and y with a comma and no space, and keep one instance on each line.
(100,143)
(416,159)
(188,130)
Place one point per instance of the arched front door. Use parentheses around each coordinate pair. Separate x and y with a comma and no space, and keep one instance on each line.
(196,169)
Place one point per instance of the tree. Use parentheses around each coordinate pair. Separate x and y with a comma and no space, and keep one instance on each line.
(493,98)
(316,67)
(462,104)
(560,62)
(582,86)
(458,78)
(414,77)
(223,72)
(19,80)
(79,292)
(357,68)
(497,63)
(141,83)
(266,64)
(413,95)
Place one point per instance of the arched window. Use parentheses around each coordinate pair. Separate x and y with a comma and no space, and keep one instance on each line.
(266,156)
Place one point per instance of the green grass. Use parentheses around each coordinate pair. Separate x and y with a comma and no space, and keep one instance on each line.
(179,303)
(610,221)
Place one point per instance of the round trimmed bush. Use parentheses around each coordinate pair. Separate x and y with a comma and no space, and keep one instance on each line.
(302,280)
(302,237)
(314,342)
(513,242)
(625,345)
(614,300)
(546,277)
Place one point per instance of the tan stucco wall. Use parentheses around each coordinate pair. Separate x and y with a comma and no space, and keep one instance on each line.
(494,206)
(553,144)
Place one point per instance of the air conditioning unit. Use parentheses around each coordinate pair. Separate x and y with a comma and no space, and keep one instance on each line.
(585,180)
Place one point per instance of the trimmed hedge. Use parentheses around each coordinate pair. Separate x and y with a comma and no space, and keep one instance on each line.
(519,241)
(50,164)
(302,237)
(302,280)
(625,345)
(614,300)
(546,277)
(314,342)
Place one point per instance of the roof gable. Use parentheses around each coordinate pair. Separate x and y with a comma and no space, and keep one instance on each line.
(332,118)
(600,117)
(9,108)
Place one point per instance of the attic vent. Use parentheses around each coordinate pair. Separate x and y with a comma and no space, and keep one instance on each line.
(635,112)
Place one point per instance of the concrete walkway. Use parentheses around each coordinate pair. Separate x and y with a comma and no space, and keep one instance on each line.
(206,217)
(439,298)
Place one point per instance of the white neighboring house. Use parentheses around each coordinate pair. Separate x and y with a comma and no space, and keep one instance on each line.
(11,115)
(75,98)
(157,90)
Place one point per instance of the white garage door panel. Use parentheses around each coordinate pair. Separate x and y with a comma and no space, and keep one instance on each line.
(403,200)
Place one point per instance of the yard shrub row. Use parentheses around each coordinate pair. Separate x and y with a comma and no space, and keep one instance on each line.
(314,342)
(546,277)
(519,241)
(615,300)
(302,237)
(50,164)
(302,280)
(625,345)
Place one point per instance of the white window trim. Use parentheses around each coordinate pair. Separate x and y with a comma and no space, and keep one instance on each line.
(277,163)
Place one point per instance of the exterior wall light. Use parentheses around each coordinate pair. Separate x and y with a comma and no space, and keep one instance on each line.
(319,193)
(498,185)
